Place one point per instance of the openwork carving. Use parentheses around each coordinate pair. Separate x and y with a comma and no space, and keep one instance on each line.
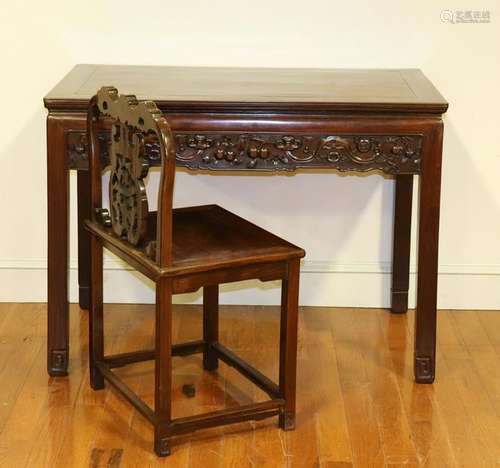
(393,154)
(268,152)
(134,128)
(77,149)
(127,192)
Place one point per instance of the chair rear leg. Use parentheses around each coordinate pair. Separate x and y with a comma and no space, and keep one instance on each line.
(96,326)
(288,344)
(210,325)
(163,366)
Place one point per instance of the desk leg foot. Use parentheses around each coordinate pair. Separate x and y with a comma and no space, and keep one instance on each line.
(58,363)
(425,367)
(399,302)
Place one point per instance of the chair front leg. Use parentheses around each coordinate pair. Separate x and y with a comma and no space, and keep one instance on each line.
(96,325)
(210,325)
(288,344)
(163,366)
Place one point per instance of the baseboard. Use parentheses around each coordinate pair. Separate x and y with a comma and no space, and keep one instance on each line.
(323,283)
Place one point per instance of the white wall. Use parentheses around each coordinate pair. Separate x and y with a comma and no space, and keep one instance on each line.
(344,223)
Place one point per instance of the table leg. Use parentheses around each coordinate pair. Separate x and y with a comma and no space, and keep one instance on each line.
(57,262)
(428,239)
(83,188)
(401,243)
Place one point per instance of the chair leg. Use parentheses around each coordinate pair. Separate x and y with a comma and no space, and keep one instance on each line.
(210,325)
(96,327)
(163,366)
(288,344)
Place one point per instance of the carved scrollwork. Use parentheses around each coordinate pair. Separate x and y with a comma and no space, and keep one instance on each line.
(77,149)
(393,154)
(139,134)
(77,145)
(127,192)
(268,152)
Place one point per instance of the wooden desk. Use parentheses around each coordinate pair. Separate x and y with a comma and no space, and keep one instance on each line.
(264,120)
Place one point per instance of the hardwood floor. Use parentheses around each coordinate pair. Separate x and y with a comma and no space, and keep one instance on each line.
(357,403)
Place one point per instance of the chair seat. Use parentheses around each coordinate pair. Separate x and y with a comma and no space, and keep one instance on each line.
(208,237)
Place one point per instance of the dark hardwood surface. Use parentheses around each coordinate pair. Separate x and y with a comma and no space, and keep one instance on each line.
(223,237)
(265,119)
(269,89)
(204,238)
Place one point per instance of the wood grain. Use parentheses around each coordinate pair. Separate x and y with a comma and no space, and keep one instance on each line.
(357,404)
(270,89)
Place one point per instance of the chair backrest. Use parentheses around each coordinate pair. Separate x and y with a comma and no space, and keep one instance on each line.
(134,124)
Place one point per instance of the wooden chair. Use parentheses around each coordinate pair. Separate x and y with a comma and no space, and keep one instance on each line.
(181,250)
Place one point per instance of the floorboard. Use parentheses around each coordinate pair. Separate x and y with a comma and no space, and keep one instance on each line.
(357,403)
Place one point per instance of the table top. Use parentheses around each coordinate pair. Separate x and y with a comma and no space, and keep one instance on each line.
(213,89)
